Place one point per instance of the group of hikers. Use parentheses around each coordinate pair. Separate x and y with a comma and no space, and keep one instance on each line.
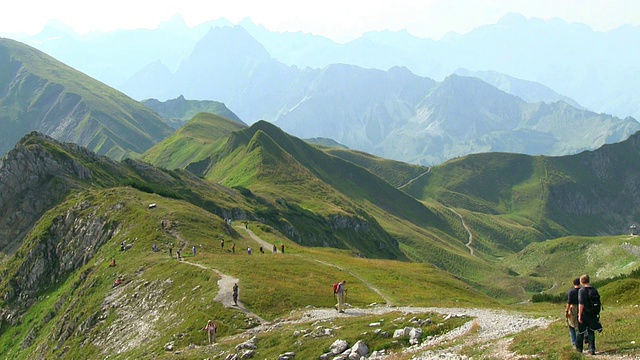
(583,314)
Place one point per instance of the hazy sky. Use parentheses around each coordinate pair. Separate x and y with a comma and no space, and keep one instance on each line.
(340,20)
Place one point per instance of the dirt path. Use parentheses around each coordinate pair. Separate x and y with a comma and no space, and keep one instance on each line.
(265,244)
(466,227)
(225,291)
(414,179)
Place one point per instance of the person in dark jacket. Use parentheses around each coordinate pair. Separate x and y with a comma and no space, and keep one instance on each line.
(588,321)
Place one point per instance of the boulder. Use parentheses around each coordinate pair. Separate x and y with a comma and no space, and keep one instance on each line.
(414,336)
(338,347)
(360,348)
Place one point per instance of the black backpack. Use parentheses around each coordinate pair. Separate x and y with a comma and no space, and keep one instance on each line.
(592,304)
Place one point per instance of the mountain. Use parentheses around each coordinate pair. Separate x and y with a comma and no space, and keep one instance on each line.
(529,91)
(589,194)
(393,114)
(179,110)
(193,142)
(589,66)
(39,93)
(465,115)
(66,211)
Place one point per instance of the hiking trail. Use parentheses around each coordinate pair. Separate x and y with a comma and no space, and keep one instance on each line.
(466,227)
(414,179)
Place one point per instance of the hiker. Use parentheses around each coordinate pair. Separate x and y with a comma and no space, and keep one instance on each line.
(341,293)
(235,294)
(118,281)
(571,311)
(246,225)
(282,248)
(194,250)
(233,248)
(211,328)
(249,250)
(222,244)
(275,249)
(112,263)
(178,254)
(261,250)
(588,315)
(170,252)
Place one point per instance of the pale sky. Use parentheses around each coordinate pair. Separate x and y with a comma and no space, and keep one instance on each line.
(340,20)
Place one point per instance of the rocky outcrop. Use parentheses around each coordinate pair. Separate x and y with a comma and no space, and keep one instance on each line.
(67,244)
(33,179)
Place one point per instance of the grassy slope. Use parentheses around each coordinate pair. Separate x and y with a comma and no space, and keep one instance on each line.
(193,142)
(115,125)
(271,285)
(395,173)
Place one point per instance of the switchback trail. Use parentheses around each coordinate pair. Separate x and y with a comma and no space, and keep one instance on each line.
(466,227)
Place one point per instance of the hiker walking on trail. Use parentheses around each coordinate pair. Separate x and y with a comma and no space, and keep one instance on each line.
(588,315)
(275,249)
(341,293)
(235,294)
(222,244)
(282,248)
(194,250)
(170,252)
(571,311)
(233,248)
(261,250)
(211,328)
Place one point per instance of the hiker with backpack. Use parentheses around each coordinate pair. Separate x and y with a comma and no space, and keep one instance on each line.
(340,293)
(571,311)
(589,307)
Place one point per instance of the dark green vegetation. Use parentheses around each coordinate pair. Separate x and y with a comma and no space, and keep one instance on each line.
(39,93)
(65,212)
(179,111)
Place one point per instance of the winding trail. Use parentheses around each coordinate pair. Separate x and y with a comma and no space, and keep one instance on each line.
(489,329)
(466,227)
(414,179)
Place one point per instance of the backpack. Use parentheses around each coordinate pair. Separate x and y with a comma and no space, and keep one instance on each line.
(335,287)
(592,301)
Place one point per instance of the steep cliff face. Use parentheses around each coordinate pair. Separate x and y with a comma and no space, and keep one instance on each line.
(66,243)
(33,179)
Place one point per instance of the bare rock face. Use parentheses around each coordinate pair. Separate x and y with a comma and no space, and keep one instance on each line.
(68,244)
(32,179)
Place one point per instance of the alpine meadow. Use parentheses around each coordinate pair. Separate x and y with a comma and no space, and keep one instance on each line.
(228,173)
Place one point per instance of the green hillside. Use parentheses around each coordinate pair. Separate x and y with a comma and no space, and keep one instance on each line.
(58,300)
(191,143)
(396,173)
(553,196)
(39,93)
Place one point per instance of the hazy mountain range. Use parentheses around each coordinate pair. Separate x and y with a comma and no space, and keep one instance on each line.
(594,68)
(394,114)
